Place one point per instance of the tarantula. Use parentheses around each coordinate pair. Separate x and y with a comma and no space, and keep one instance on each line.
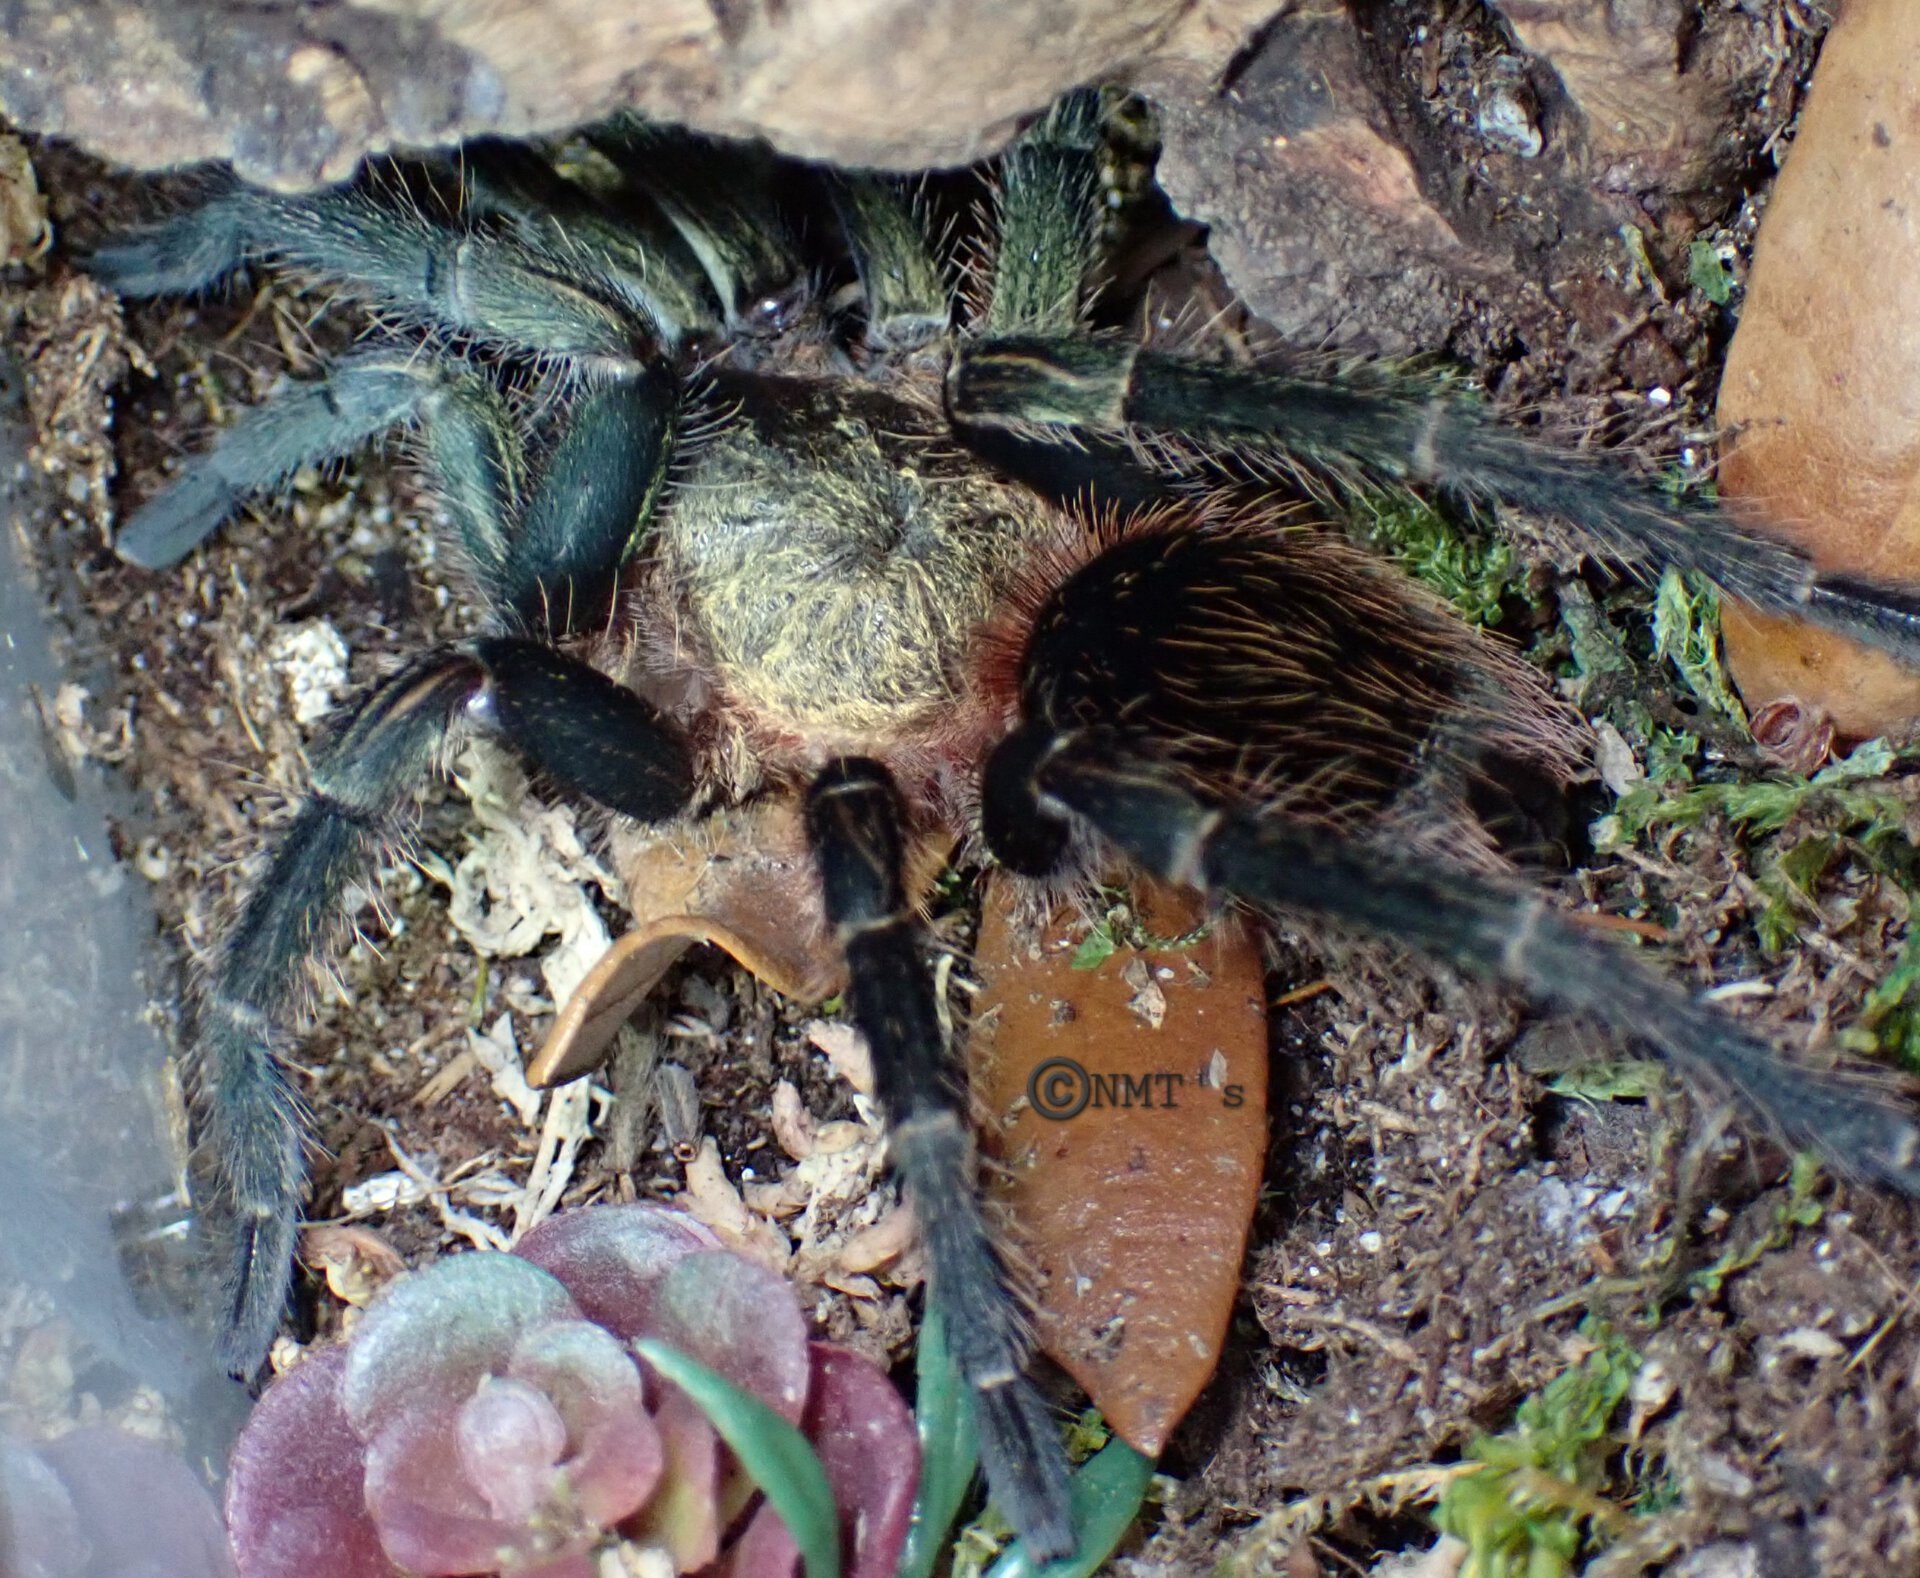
(947,556)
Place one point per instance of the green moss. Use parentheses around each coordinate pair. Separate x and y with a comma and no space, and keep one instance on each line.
(1540,1502)
(1686,633)
(1474,570)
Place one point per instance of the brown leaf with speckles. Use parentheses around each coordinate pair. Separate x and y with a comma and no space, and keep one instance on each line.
(1822,388)
(1133,1212)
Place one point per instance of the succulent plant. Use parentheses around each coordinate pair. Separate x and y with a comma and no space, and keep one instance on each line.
(494,1414)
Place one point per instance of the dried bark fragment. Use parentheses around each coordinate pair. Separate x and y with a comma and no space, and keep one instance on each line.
(297,93)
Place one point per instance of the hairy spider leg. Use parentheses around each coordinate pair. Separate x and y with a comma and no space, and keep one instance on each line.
(1049,217)
(558,563)
(495,289)
(1042,277)
(719,196)
(1478,926)
(556,554)
(301,424)
(1169,706)
(1375,426)
(855,820)
(907,296)
(621,233)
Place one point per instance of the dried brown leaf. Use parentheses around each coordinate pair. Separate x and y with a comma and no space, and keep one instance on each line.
(1133,1212)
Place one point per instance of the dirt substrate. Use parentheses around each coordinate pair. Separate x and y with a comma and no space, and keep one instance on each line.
(1434,1229)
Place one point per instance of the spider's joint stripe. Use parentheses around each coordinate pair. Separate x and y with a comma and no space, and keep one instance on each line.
(1516,952)
(242,1016)
(866,926)
(924,1125)
(1425,455)
(322,801)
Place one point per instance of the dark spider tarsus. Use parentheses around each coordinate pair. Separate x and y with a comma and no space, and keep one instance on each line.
(855,820)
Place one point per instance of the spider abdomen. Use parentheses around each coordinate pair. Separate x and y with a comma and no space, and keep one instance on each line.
(1276,665)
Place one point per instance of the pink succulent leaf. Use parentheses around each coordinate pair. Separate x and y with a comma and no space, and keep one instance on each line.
(511,1440)
(865,1435)
(764,1550)
(741,1321)
(39,1530)
(615,1454)
(612,1259)
(296,1486)
(526,1468)
(147,1514)
(433,1335)
(683,1516)
(432,1517)
(580,1566)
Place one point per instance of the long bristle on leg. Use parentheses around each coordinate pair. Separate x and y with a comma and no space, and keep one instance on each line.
(1465,920)
(855,820)
(1375,426)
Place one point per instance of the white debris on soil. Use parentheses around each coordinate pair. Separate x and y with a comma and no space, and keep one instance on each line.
(498,1053)
(846,1050)
(528,876)
(79,738)
(381,1193)
(1620,770)
(312,659)
(567,1127)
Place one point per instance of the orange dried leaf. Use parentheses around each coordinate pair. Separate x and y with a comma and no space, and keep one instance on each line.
(1133,1212)
(1822,388)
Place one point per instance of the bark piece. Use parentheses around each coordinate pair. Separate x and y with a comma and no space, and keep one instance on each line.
(296,93)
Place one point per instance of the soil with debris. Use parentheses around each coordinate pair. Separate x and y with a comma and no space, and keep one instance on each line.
(1437,1221)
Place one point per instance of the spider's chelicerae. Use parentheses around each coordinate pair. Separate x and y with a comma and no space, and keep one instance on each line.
(953,560)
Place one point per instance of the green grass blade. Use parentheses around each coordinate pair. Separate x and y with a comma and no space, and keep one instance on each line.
(1107,1492)
(775,1454)
(949,1447)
